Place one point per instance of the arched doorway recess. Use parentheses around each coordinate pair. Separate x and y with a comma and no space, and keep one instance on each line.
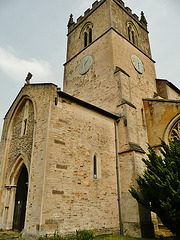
(20,200)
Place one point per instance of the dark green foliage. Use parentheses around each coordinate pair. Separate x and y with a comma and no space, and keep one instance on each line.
(84,235)
(80,235)
(159,187)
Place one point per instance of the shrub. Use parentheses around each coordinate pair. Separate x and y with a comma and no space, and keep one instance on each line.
(159,186)
(84,235)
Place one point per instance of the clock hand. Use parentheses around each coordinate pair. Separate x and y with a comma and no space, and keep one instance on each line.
(138,66)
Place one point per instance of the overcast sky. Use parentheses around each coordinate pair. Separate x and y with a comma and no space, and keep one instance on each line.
(33,39)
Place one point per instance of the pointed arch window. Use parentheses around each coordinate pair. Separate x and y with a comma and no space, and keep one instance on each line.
(90,35)
(87,34)
(132,33)
(175,133)
(85,39)
(25,126)
(133,38)
(129,34)
(25,119)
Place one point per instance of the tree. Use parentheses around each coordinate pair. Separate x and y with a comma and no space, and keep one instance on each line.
(159,186)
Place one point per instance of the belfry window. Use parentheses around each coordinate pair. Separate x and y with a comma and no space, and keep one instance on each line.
(129,34)
(90,35)
(132,33)
(86,35)
(133,39)
(95,167)
(85,39)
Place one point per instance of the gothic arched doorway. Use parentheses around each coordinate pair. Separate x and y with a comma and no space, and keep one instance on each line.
(20,200)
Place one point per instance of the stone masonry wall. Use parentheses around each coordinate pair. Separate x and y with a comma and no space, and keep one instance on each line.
(172,94)
(41,96)
(73,199)
(76,39)
(121,17)
(158,115)
(141,86)
(21,143)
(114,14)
(96,86)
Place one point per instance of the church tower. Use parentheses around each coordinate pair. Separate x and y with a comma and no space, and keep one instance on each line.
(109,65)
(109,57)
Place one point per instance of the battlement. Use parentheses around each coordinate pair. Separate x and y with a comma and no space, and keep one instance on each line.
(72,25)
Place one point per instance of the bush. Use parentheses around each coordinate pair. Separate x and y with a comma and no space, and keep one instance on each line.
(159,186)
(84,235)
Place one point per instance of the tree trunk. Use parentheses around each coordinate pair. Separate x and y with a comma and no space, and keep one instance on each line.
(178,223)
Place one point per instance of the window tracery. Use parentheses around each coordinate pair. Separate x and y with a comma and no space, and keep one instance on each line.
(86,34)
(132,33)
(175,133)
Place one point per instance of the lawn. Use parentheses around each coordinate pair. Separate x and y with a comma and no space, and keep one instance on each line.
(13,235)
(86,235)
(118,237)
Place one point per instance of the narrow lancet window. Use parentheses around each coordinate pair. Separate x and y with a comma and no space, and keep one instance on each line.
(95,167)
(86,34)
(90,35)
(25,126)
(129,34)
(25,120)
(85,39)
(132,34)
(133,39)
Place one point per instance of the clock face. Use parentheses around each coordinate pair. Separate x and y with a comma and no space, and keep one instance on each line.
(85,64)
(138,65)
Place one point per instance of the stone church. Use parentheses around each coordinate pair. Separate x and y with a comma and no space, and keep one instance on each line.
(67,157)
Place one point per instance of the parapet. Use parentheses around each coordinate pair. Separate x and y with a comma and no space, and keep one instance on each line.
(72,25)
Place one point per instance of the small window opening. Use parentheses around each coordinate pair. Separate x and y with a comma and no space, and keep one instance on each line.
(90,35)
(25,126)
(133,39)
(132,33)
(86,34)
(95,167)
(142,114)
(129,34)
(85,39)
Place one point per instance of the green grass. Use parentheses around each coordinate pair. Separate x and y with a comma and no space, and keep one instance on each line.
(118,237)
(84,235)
(114,237)
(108,237)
